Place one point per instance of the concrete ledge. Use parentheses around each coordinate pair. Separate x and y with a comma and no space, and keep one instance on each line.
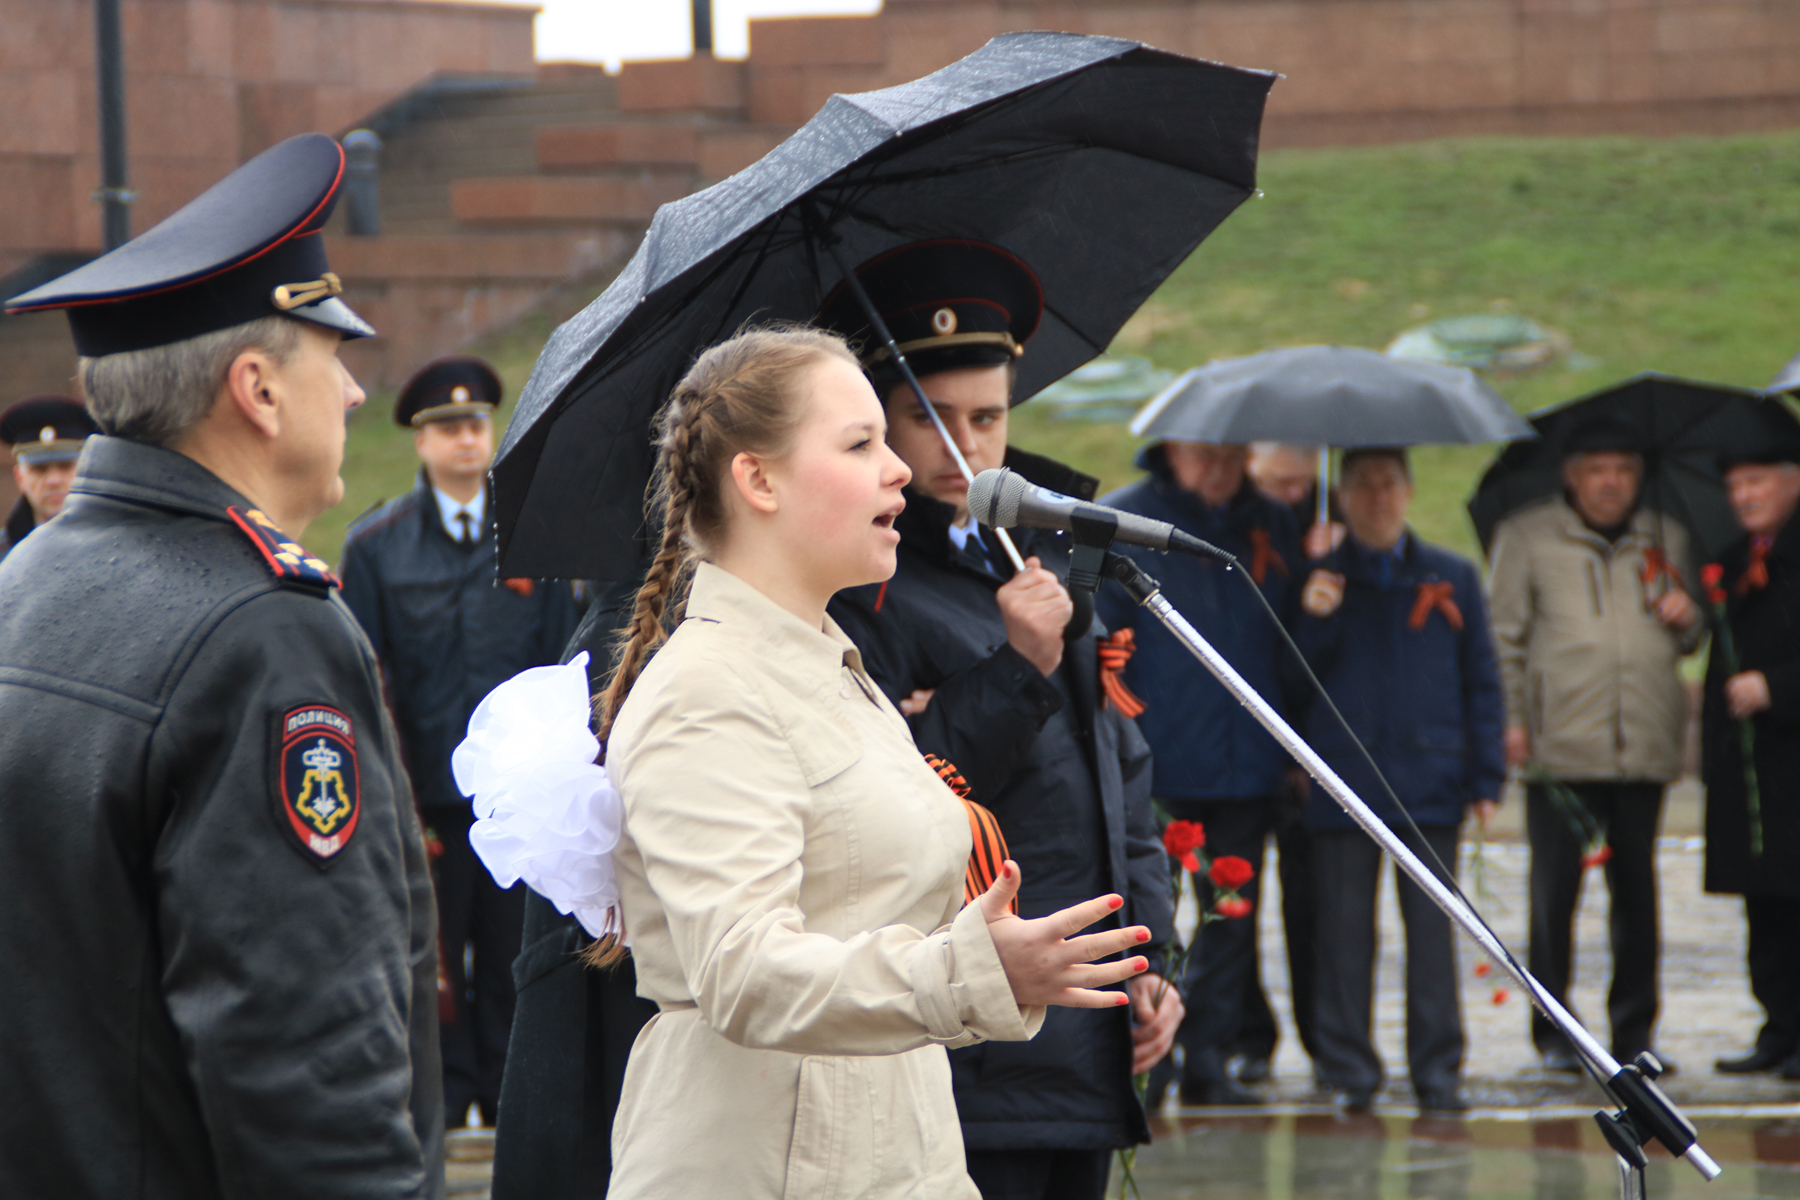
(573,147)
(810,41)
(682,85)
(539,258)
(538,198)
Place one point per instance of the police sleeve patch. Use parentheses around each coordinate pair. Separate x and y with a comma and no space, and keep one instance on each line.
(317,789)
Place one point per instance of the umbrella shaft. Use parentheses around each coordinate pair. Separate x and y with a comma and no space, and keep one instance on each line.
(912,381)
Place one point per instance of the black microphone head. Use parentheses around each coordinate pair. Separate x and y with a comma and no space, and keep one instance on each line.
(994,497)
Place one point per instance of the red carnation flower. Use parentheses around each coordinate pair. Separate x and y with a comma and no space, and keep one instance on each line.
(1483,970)
(1233,906)
(1712,575)
(1597,857)
(1181,839)
(1500,996)
(1229,873)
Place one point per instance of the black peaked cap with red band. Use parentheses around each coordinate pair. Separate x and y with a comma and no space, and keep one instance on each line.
(250,246)
(448,389)
(949,302)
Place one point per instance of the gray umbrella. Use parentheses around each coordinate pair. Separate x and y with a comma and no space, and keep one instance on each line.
(1330,396)
(1788,378)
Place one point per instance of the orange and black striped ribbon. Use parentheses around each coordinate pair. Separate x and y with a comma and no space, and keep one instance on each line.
(988,849)
(1116,649)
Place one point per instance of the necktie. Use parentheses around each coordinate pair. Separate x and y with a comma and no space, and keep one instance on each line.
(463,518)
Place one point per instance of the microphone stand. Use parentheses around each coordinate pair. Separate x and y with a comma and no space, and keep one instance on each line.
(1643,1111)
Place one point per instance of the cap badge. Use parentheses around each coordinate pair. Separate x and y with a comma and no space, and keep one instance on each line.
(459,395)
(47,434)
(292,295)
(943,322)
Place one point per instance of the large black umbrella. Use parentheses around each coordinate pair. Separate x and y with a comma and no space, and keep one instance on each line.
(1684,426)
(1100,162)
(1329,396)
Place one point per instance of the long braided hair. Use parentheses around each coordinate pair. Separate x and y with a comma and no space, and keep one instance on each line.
(738,397)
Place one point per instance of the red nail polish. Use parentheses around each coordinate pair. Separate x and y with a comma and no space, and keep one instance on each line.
(1115,902)
(1143,935)
(1123,999)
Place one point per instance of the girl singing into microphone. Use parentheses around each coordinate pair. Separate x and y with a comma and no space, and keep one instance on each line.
(791,869)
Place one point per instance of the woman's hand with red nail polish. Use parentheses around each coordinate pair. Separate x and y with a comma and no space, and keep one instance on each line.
(1046,963)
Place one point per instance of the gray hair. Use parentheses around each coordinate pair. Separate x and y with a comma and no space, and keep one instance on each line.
(160,394)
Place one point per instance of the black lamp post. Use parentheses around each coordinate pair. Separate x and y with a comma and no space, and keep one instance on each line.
(115,194)
(703,27)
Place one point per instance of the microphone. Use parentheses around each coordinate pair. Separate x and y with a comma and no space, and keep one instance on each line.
(1004,500)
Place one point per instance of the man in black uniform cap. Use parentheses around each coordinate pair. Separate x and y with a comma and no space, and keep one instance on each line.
(218,929)
(46,434)
(1001,677)
(420,574)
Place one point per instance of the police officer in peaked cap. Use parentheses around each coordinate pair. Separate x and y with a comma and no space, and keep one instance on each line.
(219,923)
(1001,672)
(421,574)
(46,434)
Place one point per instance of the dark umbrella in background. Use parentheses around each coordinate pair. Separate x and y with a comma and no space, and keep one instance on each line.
(1684,426)
(1100,162)
(1329,396)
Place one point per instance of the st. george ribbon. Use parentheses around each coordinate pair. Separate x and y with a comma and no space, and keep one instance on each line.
(1001,499)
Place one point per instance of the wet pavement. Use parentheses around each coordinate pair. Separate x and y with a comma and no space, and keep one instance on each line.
(1530,1134)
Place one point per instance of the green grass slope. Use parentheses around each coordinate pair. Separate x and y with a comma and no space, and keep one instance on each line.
(1675,255)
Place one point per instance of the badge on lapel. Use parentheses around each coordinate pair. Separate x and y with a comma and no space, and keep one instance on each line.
(318,790)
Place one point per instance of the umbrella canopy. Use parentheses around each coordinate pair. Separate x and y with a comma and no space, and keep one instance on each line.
(1788,378)
(1100,162)
(1330,396)
(1683,425)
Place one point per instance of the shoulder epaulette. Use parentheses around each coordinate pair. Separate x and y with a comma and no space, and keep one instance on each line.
(287,559)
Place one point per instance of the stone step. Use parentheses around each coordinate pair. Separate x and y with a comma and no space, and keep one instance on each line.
(536,200)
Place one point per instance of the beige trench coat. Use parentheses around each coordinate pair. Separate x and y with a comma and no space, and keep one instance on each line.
(791,876)
(1585,665)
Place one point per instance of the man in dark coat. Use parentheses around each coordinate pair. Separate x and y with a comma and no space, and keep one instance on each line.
(46,434)
(1758,584)
(1214,763)
(1397,631)
(997,680)
(218,930)
(420,574)
(573,1026)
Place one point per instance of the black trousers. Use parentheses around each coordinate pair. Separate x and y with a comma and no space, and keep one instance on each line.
(1348,868)
(1040,1174)
(480,922)
(1628,814)
(1258,1032)
(1774,953)
(1223,960)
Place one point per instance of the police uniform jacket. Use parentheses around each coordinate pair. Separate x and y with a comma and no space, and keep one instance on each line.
(446,629)
(1409,661)
(19,522)
(218,931)
(1069,782)
(1765,631)
(1207,745)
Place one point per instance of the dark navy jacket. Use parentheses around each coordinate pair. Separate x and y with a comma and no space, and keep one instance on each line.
(1207,746)
(1066,777)
(446,629)
(1425,701)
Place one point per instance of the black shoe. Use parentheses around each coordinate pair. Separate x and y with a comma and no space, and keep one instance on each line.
(1356,1101)
(1252,1069)
(1757,1062)
(1217,1093)
(1444,1103)
(1562,1061)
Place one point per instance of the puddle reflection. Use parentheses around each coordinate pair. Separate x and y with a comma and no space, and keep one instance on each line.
(1376,1157)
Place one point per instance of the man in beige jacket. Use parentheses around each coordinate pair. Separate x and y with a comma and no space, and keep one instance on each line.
(1590,621)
